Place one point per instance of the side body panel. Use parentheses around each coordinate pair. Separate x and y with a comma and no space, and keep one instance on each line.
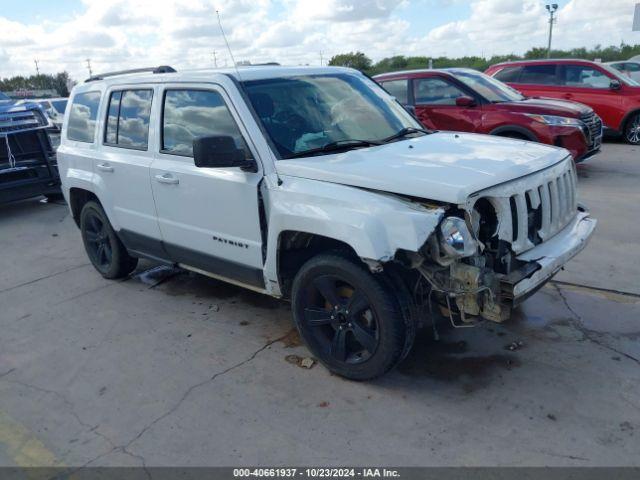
(121,176)
(611,105)
(375,225)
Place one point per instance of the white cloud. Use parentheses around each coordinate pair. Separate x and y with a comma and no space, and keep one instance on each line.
(184,33)
(514,26)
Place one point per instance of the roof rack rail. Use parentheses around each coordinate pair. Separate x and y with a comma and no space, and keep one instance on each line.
(160,69)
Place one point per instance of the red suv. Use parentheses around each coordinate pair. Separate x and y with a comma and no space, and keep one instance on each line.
(466,100)
(615,97)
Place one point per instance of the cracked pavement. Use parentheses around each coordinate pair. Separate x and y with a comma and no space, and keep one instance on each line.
(169,368)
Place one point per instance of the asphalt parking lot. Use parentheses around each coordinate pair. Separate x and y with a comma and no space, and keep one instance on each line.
(171,368)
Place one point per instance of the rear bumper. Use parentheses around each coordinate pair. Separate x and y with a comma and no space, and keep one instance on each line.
(545,260)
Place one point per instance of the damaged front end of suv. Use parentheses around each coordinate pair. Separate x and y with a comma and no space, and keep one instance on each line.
(504,243)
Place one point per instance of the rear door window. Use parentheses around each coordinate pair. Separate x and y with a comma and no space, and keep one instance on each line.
(128,116)
(539,75)
(82,117)
(585,76)
(436,91)
(399,89)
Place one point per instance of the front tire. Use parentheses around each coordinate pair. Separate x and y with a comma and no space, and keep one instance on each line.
(105,250)
(349,318)
(632,130)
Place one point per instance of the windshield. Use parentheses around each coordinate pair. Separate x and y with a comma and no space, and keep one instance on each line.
(493,90)
(3,96)
(620,76)
(59,105)
(304,113)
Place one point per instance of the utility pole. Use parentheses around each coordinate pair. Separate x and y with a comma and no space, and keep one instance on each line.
(37,67)
(321,58)
(88,60)
(551,8)
(215,59)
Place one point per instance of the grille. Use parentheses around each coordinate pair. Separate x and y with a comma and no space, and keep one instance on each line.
(534,208)
(593,129)
(18,121)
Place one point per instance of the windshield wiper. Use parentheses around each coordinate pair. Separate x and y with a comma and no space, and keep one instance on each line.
(404,132)
(336,146)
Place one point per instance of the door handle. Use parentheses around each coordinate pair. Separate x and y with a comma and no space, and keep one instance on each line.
(167,178)
(104,167)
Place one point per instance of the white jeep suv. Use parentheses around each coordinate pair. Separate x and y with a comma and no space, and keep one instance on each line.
(314,184)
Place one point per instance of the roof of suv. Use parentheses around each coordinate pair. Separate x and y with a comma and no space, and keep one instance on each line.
(544,60)
(207,75)
(402,73)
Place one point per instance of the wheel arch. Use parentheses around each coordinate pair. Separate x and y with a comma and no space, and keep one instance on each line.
(78,197)
(629,115)
(504,130)
(296,247)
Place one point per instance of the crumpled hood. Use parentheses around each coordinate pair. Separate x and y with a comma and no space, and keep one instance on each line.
(547,106)
(443,166)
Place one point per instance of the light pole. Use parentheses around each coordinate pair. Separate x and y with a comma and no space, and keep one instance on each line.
(551,8)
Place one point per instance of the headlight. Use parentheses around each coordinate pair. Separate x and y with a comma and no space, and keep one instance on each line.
(555,120)
(457,240)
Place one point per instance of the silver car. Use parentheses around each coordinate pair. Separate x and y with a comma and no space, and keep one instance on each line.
(629,68)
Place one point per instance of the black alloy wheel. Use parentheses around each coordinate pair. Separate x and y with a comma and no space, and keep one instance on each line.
(341,319)
(349,318)
(104,249)
(98,243)
(632,131)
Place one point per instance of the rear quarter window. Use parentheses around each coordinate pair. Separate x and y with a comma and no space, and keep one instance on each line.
(82,117)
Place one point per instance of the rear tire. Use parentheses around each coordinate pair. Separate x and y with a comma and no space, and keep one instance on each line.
(105,250)
(632,129)
(349,318)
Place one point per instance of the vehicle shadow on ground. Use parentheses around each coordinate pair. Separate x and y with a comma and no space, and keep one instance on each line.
(467,358)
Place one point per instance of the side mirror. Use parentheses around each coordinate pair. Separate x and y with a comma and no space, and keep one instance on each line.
(465,102)
(615,85)
(219,151)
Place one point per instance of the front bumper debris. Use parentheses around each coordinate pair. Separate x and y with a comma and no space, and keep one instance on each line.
(546,259)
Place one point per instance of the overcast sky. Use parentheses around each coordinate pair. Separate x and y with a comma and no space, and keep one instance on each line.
(118,34)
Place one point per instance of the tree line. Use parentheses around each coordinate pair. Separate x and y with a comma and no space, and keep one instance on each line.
(360,61)
(59,82)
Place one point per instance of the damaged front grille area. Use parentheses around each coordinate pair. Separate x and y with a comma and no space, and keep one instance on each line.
(532,209)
